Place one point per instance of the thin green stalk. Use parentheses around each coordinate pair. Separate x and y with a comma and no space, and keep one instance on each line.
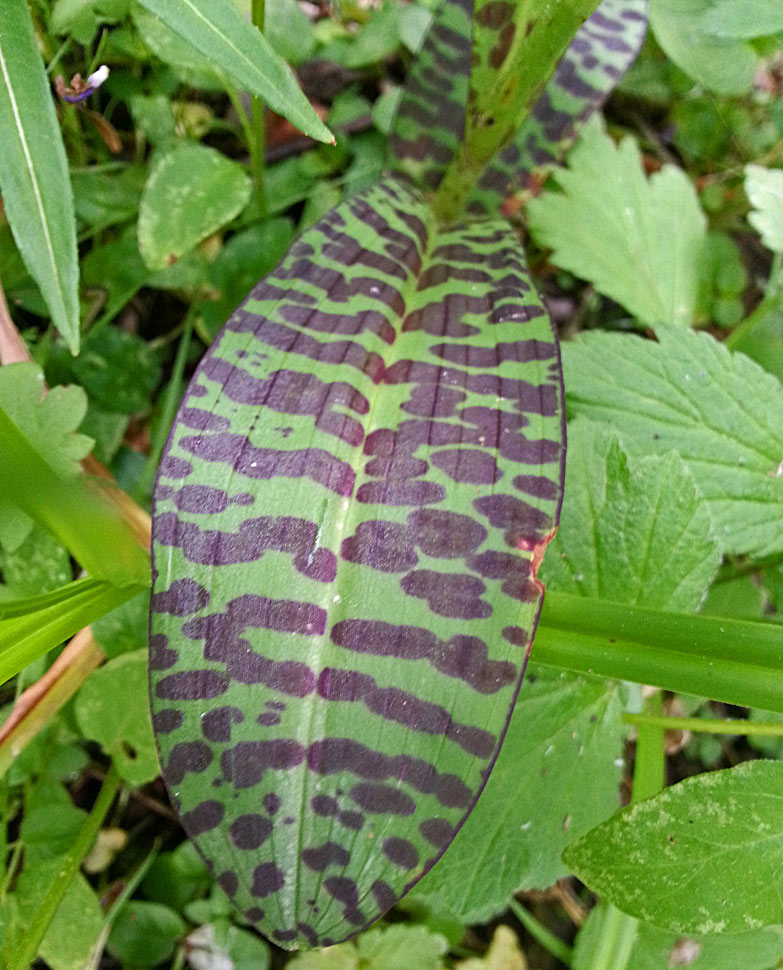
(258,114)
(548,940)
(708,725)
(735,661)
(615,941)
(28,948)
(170,405)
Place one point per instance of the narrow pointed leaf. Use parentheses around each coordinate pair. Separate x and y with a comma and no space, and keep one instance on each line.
(349,517)
(233,44)
(598,57)
(34,178)
(50,619)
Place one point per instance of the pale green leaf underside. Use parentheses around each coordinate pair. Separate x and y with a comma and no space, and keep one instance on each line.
(764,188)
(687,393)
(34,177)
(667,859)
(638,241)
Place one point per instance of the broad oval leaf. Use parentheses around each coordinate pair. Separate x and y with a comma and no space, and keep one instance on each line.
(348,522)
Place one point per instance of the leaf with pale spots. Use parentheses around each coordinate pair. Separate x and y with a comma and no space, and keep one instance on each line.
(348,521)
(192,192)
(666,859)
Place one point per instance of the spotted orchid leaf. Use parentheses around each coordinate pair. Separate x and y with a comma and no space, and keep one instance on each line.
(600,54)
(431,118)
(349,517)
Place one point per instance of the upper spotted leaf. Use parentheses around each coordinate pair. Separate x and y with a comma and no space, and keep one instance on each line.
(348,522)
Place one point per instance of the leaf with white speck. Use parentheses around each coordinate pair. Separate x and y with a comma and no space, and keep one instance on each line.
(666,859)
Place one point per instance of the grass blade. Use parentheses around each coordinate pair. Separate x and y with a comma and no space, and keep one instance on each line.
(34,172)
(233,44)
(25,638)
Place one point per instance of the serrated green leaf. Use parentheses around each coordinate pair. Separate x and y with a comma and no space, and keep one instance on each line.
(192,191)
(764,188)
(218,30)
(666,859)
(563,750)
(724,65)
(341,491)
(36,188)
(743,18)
(687,393)
(390,948)
(638,534)
(651,232)
(48,421)
(111,708)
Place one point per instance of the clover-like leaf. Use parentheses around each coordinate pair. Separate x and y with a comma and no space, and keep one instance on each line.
(349,518)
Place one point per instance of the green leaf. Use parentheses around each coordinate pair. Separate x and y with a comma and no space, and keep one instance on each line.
(145,934)
(389,948)
(651,232)
(75,510)
(51,822)
(118,370)
(349,512)
(47,420)
(764,188)
(639,535)
(42,623)
(39,565)
(657,949)
(245,258)
(721,64)
(34,180)
(111,708)
(220,32)
(687,393)
(743,18)
(666,859)
(125,628)
(563,750)
(177,877)
(76,927)
(192,191)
